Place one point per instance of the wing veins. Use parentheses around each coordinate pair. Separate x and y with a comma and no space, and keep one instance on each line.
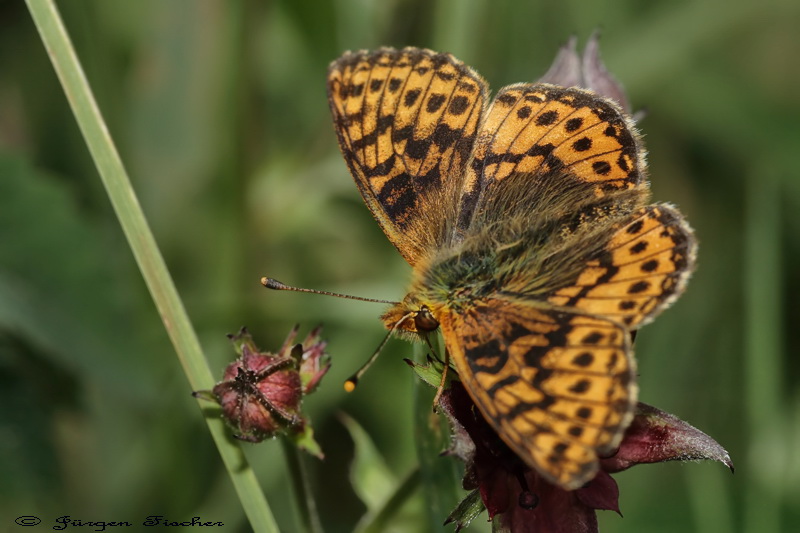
(475,102)
(386,83)
(557,396)
(361,122)
(346,132)
(400,92)
(592,156)
(494,135)
(544,427)
(638,235)
(639,260)
(439,121)
(417,115)
(527,124)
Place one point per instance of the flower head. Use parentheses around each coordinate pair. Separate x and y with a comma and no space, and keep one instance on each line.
(523,501)
(261,393)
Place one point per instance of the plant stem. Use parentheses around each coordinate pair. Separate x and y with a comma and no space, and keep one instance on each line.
(301,486)
(763,348)
(144,248)
(395,502)
(439,476)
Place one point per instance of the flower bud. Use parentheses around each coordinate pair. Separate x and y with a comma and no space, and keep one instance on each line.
(260,393)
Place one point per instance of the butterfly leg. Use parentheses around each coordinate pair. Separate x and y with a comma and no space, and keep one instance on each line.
(446,364)
(443,382)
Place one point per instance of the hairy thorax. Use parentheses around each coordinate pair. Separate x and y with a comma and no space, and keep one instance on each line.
(528,255)
(452,279)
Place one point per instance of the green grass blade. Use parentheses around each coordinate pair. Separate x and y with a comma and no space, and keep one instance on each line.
(379,521)
(763,337)
(145,250)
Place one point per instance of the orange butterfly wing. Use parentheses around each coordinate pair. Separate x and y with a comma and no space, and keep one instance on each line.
(406,122)
(641,270)
(557,386)
(535,128)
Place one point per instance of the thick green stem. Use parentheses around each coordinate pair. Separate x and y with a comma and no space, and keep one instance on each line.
(440,477)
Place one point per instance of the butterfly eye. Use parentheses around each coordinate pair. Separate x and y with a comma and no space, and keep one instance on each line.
(424,320)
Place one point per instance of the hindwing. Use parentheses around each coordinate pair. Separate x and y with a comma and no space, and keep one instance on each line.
(642,268)
(557,386)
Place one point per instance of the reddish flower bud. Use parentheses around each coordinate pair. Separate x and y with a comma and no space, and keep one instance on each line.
(261,392)
(313,361)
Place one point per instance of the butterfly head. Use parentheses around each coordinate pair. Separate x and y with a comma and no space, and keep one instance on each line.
(411,316)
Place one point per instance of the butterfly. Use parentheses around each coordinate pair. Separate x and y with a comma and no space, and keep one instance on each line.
(533,244)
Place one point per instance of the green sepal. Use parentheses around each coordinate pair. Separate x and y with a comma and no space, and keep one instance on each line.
(466,510)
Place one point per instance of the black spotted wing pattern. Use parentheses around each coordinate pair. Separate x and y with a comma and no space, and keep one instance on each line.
(557,386)
(406,122)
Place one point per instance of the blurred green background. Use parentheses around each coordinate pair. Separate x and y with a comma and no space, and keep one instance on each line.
(219,112)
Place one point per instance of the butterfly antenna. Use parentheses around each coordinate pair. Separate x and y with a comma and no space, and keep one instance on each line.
(352,381)
(276,285)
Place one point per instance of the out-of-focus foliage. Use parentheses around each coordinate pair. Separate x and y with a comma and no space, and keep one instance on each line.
(219,111)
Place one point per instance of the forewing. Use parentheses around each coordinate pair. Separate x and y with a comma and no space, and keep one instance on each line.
(558,387)
(406,122)
(541,129)
(641,270)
